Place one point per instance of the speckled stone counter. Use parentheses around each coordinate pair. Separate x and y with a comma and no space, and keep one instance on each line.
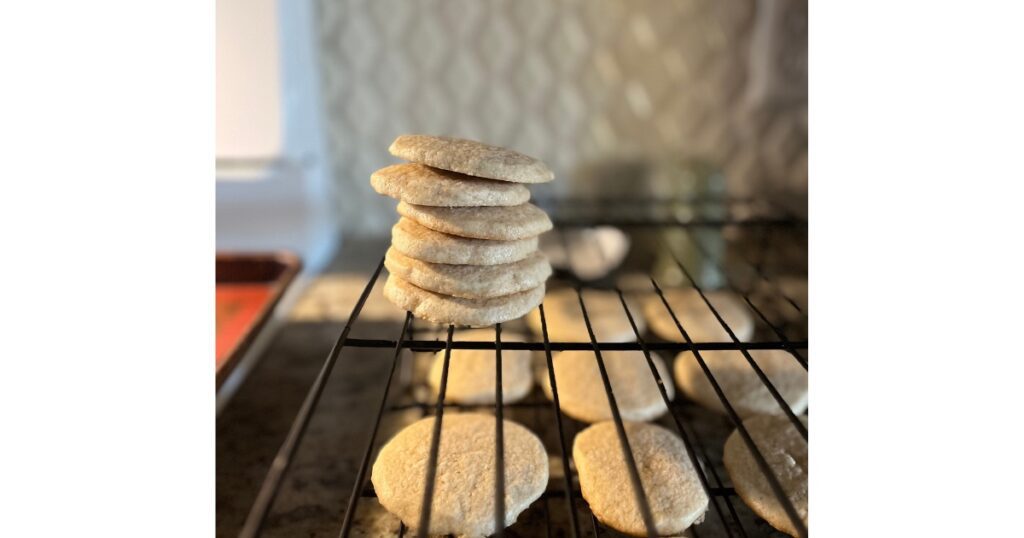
(254,423)
(314,494)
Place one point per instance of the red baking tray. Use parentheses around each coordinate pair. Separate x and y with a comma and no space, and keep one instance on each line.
(249,286)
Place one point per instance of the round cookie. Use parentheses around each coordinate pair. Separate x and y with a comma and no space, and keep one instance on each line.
(471,158)
(565,318)
(499,223)
(424,244)
(670,483)
(470,281)
(418,184)
(590,253)
(695,316)
(471,371)
(446,309)
(744,389)
(581,393)
(463,502)
(785,450)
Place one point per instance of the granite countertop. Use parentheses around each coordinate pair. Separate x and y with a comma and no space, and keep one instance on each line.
(313,496)
(253,425)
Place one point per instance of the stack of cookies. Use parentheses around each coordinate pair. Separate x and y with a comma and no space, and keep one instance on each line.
(464,250)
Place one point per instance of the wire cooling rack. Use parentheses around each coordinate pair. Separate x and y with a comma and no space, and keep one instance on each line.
(732,244)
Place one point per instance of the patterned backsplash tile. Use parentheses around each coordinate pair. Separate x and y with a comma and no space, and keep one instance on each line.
(583,85)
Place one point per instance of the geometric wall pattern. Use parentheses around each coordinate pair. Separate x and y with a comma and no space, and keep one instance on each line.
(576,83)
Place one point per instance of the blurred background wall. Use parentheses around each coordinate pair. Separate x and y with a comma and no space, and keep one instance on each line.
(619,97)
(275,183)
(587,86)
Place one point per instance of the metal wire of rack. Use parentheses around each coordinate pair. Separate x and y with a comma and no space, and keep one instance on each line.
(657,215)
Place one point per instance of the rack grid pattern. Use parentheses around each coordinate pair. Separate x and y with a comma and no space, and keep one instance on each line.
(654,214)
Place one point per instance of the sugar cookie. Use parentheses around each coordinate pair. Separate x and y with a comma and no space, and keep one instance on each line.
(463,501)
(671,485)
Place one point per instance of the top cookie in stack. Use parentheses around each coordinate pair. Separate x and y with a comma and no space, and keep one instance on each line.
(464,251)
